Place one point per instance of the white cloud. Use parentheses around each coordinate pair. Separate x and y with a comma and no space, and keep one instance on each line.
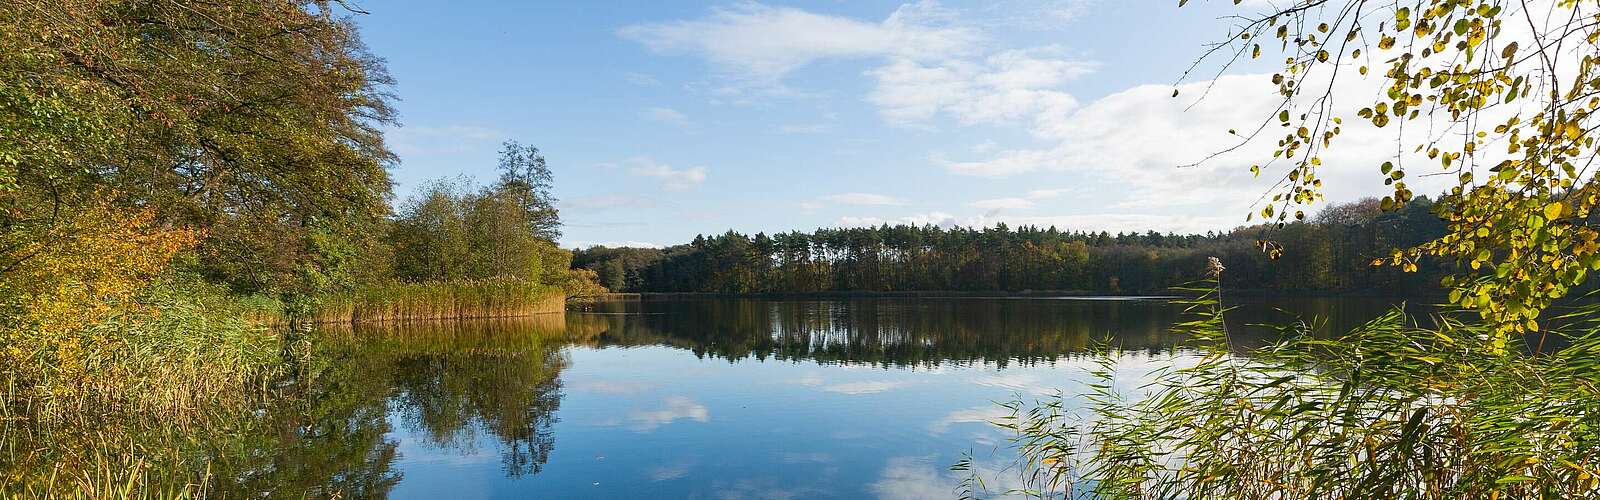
(1146,140)
(862,199)
(931,218)
(852,199)
(668,116)
(758,45)
(977,414)
(673,179)
(1025,202)
(608,201)
(641,79)
(940,219)
(1035,14)
(759,488)
(907,478)
(851,221)
(1017,383)
(810,380)
(612,387)
(1004,87)
(447,139)
(795,129)
(615,244)
(935,60)
(865,387)
(1004,164)
(1041,194)
(933,65)
(669,472)
(1003,203)
(674,408)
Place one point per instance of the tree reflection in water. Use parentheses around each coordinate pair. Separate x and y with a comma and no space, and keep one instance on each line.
(886,332)
(933,331)
(449,381)
(452,381)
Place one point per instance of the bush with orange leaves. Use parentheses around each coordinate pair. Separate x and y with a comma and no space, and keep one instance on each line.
(67,274)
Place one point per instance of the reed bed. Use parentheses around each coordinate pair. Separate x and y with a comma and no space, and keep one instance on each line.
(83,423)
(1388,410)
(462,299)
(184,348)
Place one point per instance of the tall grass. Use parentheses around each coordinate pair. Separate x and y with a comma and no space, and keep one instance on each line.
(461,299)
(104,473)
(186,346)
(1389,410)
(108,419)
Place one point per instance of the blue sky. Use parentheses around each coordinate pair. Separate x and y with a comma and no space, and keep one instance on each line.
(663,120)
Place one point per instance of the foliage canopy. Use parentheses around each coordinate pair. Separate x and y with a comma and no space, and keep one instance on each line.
(256,121)
(1499,96)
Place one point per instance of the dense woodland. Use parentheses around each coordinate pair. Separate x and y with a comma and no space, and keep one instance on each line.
(1332,253)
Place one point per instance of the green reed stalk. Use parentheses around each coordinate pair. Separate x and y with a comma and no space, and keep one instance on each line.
(1390,409)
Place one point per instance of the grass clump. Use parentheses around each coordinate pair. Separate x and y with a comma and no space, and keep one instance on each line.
(105,473)
(1390,409)
(112,417)
(181,345)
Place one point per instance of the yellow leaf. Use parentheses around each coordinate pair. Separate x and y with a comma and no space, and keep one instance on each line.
(1554,210)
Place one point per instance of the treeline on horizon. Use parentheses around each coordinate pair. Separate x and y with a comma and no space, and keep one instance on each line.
(1333,252)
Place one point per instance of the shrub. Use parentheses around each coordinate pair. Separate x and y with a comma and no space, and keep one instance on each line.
(184,346)
(66,279)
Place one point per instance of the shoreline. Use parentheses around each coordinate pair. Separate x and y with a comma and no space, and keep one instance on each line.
(1033,294)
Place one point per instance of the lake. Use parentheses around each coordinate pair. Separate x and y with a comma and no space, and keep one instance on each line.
(700,398)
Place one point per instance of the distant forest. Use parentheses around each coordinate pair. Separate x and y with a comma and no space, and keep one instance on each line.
(1332,252)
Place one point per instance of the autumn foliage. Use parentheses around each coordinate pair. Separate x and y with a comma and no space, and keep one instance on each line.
(1500,99)
(74,275)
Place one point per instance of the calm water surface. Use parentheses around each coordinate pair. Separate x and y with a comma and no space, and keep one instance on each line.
(704,398)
